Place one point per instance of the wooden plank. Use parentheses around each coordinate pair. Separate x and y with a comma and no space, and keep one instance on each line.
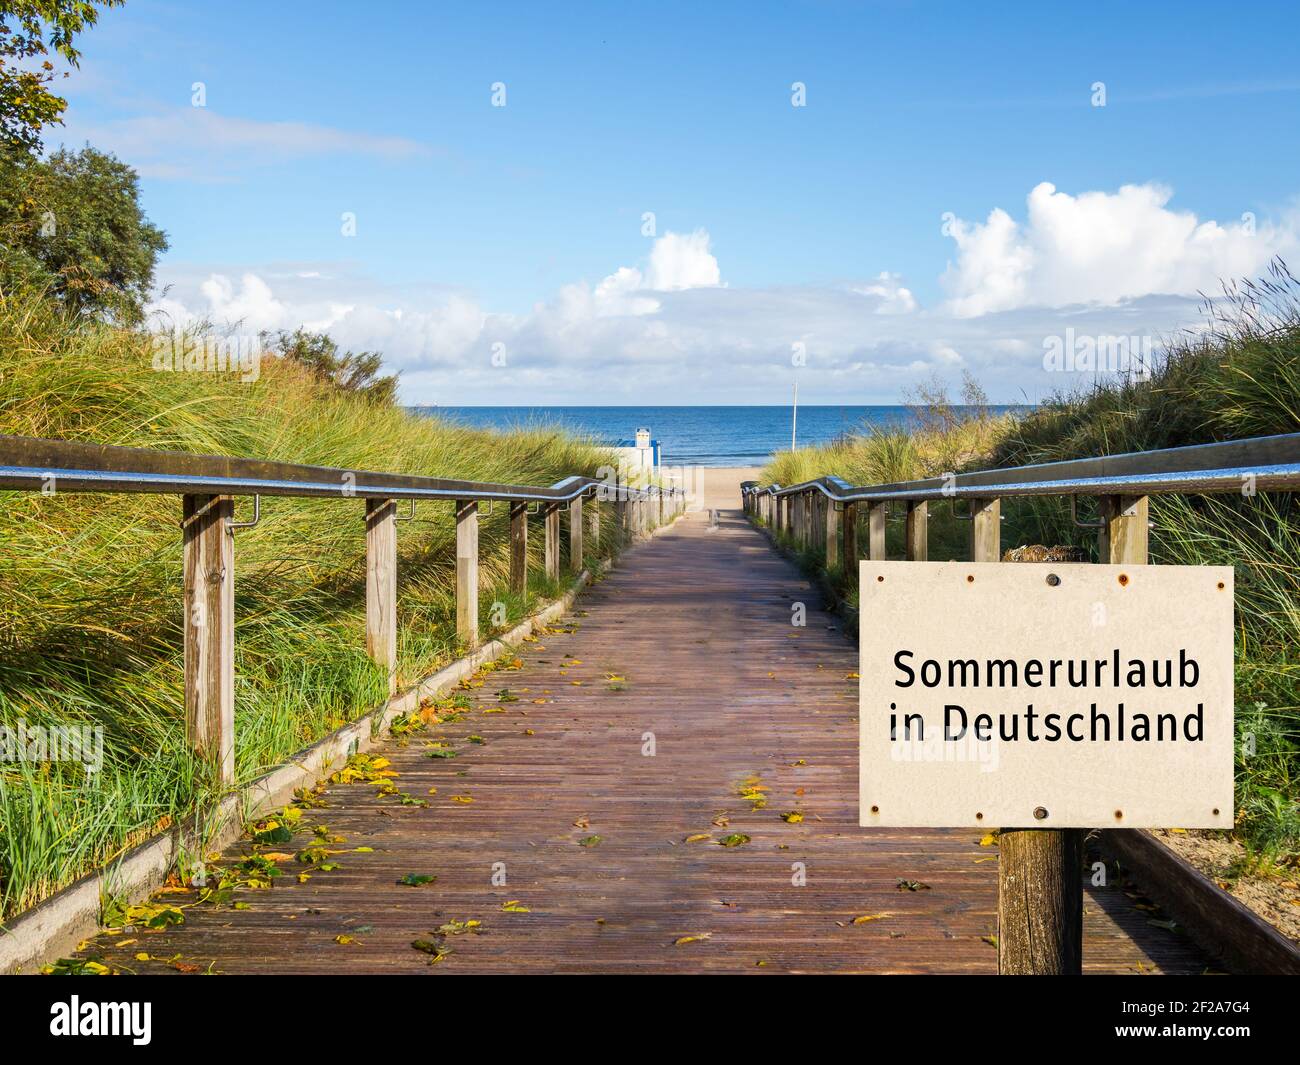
(732,696)
(467,573)
(381,586)
(209,590)
(917,532)
(519,549)
(1222,925)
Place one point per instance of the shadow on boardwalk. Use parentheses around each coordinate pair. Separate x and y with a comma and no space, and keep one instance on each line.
(696,626)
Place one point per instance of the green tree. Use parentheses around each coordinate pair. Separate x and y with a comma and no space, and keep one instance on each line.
(351,372)
(73,225)
(29,31)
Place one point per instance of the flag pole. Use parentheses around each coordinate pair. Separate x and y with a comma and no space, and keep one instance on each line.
(794,416)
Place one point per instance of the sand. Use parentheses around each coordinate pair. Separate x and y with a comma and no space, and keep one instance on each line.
(721,485)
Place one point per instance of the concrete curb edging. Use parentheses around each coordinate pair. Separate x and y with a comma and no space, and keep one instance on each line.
(52,929)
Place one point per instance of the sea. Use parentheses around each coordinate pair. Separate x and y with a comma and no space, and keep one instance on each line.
(702,436)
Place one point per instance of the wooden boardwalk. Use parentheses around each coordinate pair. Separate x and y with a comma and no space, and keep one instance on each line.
(690,640)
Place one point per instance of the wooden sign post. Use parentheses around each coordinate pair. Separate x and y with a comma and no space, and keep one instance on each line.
(1047,699)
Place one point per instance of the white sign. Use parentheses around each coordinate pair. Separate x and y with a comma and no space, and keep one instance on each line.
(1044,695)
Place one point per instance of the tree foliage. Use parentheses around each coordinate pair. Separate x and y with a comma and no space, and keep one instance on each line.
(30,30)
(352,372)
(72,225)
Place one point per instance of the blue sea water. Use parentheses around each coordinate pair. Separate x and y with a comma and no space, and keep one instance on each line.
(704,436)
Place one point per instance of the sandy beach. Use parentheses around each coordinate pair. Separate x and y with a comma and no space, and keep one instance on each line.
(721,485)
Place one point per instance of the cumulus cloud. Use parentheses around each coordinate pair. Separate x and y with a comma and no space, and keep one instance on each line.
(668,329)
(1101,247)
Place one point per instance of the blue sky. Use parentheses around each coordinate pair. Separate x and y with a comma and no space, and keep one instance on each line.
(778,226)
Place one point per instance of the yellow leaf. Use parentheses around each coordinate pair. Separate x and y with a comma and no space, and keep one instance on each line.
(682,941)
(699,837)
(870,917)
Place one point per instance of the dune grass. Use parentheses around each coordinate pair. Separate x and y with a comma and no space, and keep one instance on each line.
(1238,377)
(90,607)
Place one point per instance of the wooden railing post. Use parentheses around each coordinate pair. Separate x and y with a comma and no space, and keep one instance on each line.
(1122,539)
(916,536)
(594,518)
(519,549)
(551,540)
(832,532)
(1040,871)
(877,524)
(849,520)
(209,588)
(467,572)
(381,586)
(985,530)
(575,535)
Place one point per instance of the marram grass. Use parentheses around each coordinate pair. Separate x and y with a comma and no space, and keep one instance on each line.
(90,585)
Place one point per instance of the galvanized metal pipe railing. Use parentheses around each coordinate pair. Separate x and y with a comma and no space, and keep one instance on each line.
(807,509)
(32,464)
(1263,463)
(208,485)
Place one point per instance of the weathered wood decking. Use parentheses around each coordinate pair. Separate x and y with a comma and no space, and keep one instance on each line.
(697,624)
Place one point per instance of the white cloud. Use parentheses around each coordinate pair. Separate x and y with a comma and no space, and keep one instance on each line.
(1101,247)
(200,143)
(679,261)
(894,298)
(669,330)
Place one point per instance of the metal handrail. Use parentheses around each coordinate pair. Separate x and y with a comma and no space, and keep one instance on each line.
(1265,462)
(34,464)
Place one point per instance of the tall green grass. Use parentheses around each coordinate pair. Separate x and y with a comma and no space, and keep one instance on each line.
(1237,377)
(90,594)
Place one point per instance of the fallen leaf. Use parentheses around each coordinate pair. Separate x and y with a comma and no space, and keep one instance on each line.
(683,940)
